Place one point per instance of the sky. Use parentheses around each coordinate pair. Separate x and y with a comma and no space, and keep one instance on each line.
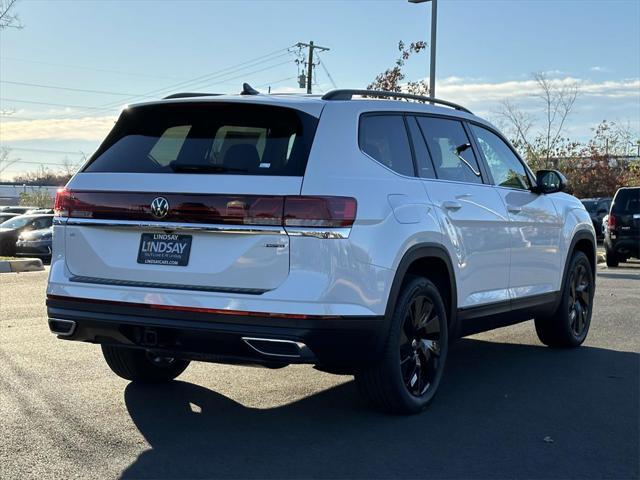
(65,76)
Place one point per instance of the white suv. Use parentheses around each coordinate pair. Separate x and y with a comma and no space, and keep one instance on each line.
(354,231)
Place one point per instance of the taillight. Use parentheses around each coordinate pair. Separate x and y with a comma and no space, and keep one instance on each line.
(298,211)
(319,211)
(61,205)
(611,222)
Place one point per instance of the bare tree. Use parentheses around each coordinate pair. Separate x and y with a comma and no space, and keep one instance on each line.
(557,99)
(7,18)
(5,162)
(521,124)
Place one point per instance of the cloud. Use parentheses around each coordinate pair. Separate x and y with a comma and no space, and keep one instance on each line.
(483,97)
(599,69)
(482,92)
(87,128)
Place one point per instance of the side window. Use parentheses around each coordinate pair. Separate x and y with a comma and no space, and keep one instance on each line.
(423,159)
(450,149)
(384,138)
(507,170)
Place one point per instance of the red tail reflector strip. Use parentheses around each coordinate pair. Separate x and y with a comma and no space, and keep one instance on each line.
(294,211)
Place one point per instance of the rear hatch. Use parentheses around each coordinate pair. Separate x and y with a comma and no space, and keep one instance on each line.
(626,213)
(189,195)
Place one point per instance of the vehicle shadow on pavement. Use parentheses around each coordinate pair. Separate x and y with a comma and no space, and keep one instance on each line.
(503,410)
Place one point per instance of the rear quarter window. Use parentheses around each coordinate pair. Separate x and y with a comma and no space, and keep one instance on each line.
(212,137)
(384,138)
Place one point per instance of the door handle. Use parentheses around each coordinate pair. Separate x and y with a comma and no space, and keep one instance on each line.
(451,205)
(514,209)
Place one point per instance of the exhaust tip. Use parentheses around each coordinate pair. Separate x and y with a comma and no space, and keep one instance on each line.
(273,347)
(64,328)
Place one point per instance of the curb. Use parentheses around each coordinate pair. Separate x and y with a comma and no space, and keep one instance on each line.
(23,265)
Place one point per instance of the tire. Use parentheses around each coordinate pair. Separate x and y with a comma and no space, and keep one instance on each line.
(569,325)
(406,378)
(8,247)
(140,366)
(612,258)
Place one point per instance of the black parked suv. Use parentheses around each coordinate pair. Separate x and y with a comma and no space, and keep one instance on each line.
(622,237)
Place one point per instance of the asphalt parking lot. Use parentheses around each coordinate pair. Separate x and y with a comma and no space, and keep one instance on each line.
(508,407)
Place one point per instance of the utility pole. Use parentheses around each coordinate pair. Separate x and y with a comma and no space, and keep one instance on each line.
(310,64)
(432,56)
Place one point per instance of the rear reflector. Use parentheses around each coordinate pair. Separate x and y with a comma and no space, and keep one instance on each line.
(299,211)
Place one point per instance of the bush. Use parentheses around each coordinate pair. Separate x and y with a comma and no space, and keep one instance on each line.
(36,198)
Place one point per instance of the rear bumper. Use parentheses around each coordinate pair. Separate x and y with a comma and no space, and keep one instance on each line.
(344,342)
(628,246)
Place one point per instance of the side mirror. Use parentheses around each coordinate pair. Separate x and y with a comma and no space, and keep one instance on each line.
(602,211)
(549,181)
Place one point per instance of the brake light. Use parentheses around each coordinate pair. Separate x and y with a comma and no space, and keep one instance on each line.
(319,211)
(611,222)
(66,205)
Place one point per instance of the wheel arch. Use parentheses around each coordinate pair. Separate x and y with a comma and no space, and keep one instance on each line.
(582,241)
(433,262)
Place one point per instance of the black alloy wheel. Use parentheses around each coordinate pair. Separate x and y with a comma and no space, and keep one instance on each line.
(420,346)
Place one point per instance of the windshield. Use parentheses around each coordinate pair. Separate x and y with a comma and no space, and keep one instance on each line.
(590,205)
(16,222)
(212,138)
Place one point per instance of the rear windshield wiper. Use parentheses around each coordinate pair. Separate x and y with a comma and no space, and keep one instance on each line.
(203,168)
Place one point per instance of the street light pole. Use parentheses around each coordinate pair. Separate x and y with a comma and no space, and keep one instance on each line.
(432,67)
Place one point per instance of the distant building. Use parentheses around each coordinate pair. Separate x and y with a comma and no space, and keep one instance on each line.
(10,193)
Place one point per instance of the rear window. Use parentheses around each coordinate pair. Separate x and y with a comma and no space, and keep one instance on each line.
(627,201)
(216,138)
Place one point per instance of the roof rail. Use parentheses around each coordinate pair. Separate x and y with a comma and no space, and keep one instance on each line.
(347,94)
(190,94)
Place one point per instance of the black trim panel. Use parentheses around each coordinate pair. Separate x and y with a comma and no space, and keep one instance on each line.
(337,341)
(501,314)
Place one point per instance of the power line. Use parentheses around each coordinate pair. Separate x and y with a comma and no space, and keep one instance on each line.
(44,150)
(268,84)
(18,117)
(326,71)
(119,72)
(205,78)
(222,80)
(225,71)
(55,87)
(255,71)
(18,100)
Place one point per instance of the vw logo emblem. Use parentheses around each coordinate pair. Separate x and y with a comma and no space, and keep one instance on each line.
(159,207)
